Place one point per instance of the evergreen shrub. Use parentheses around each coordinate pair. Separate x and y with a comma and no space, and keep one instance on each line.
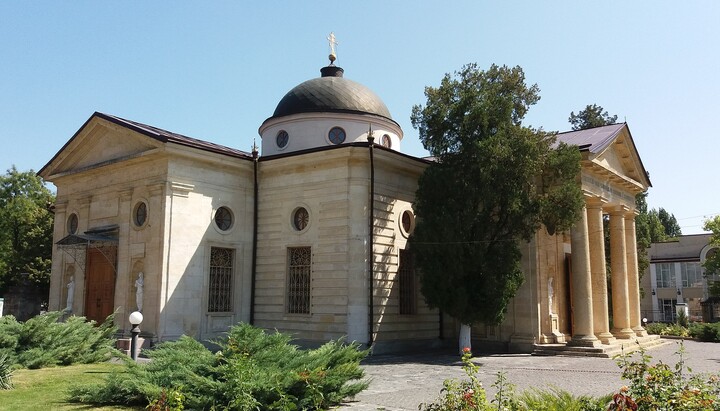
(5,373)
(708,332)
(252,370)
(44,341)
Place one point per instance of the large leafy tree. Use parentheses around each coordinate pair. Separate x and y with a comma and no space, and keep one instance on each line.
(671,228)
(492,186)
(712,262)
(26,226)
(591,116)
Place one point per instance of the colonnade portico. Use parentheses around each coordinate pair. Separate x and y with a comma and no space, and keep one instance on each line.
(589,300)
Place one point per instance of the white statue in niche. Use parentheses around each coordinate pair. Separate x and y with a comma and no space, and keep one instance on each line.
(70,294)
(139,284)
(550,294)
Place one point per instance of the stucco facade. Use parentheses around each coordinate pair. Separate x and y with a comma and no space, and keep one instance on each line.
(311,236)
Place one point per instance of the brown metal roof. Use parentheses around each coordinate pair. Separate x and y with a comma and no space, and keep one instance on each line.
(170,137)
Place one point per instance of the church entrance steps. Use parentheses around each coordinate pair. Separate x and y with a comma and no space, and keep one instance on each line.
(604,351)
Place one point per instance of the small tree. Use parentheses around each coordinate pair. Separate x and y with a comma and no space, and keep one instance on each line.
(494,183)
(26,226)
(591,116)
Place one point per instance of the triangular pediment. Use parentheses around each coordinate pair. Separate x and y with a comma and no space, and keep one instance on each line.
(609,151)
(622,159)
(99,141)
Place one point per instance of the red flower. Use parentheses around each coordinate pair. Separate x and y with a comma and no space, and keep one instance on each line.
(466,350)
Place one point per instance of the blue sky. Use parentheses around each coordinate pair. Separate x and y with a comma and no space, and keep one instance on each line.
(216,70)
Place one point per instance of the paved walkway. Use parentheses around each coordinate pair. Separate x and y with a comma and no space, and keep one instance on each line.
(403,382)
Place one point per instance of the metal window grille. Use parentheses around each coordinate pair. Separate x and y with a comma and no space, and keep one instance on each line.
(299,265)
(406,278)
(220,290)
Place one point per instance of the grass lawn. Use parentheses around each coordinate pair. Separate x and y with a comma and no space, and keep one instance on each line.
(46,389)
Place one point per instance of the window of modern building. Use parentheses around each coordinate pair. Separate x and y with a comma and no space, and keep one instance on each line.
(72,223)
(691,274)
(407,283)
(667,308)
(298,280)
(221,275)
(223,218)
(665,275)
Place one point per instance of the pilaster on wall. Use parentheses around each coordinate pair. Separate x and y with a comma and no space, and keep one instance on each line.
(619,278)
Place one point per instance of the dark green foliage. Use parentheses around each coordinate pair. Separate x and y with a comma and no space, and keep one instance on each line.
(494,184)
(669,223)
(591,116)
(252,370)
(708,332)
(712,261)
(26,225)
(42,341)
(5,373)
(559,400)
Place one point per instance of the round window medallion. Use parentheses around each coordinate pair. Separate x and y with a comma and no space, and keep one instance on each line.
(223,218)
(386,141)
(282,138)
(407,222)
(300,219)
(72,223)
(336,135)
(140,214)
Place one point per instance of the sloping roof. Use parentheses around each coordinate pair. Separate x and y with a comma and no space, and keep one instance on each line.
(170,137)
(595,140)
(155,133)
(592,139)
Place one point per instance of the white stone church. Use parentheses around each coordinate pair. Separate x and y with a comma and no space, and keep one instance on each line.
(310,237)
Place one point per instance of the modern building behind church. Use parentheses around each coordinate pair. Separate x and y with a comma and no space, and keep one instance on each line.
(311,236)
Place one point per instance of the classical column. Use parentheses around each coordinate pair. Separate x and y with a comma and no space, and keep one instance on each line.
(632,275)
(581,284)
(618,266)
(598,271)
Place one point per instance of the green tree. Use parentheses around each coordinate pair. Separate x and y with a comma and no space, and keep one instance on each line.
(712,261)
(26,227)
(671,228)
(591,116)
(494,183)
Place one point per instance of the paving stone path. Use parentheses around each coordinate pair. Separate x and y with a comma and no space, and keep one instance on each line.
(404,382)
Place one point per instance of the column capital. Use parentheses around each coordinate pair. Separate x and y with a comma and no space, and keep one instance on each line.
(631,214)
(595,201)
(618,210)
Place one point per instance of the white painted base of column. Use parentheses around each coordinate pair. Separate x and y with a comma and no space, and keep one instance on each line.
(465,338)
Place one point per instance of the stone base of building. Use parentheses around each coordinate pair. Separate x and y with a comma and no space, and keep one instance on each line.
(603,350)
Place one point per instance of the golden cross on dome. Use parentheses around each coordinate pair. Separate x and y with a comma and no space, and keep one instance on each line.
(333,43)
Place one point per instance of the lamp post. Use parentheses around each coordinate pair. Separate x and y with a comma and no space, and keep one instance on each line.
(136,318)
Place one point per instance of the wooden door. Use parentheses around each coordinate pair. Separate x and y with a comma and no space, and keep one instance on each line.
(99,286)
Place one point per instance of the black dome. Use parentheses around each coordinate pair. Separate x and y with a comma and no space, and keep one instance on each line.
(331,93)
